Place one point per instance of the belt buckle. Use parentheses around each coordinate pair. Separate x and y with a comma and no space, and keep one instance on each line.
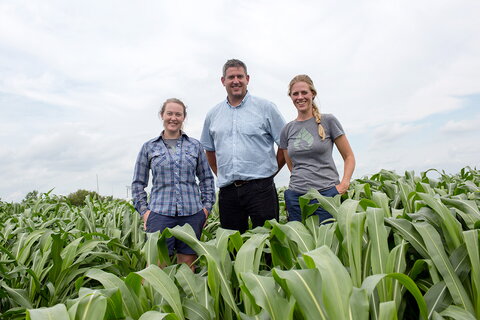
(239,183)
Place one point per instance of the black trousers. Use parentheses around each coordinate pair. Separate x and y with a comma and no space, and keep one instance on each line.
(256,199)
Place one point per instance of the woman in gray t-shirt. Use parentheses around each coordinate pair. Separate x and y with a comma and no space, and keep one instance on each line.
(307,143)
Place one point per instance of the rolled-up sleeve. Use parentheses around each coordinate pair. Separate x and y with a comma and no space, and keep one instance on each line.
(140,181)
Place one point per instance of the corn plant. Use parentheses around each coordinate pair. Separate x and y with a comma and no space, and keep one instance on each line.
(397,247)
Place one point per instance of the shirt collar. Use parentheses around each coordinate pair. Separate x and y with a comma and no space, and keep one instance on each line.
(247,95)
(183,134)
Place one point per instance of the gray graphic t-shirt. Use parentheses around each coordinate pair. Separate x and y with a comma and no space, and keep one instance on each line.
(313,165)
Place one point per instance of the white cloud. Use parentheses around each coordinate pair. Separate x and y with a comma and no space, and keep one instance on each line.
(390,132)
(462,126)
(81,83)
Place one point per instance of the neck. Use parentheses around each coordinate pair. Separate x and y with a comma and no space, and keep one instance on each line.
(235,101)
(302,116)
(171,134)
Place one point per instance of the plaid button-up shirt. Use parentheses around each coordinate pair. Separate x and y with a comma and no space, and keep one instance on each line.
(174,187)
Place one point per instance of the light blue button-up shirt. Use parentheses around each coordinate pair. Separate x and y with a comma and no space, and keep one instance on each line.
(242,138)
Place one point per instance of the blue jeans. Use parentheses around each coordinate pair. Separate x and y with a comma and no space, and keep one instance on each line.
(293,207)
(158,222)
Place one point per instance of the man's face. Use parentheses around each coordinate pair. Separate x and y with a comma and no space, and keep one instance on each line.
(235,81)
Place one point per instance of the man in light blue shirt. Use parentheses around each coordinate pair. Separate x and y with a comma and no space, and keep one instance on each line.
(238,136)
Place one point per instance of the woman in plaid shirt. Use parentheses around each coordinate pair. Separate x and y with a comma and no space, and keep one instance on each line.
(175,161)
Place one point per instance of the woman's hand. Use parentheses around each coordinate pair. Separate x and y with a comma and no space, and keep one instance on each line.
(145,218)
(206,216)
(342,187)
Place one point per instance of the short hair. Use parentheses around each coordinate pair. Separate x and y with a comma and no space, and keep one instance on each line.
(234,63)
(174,100)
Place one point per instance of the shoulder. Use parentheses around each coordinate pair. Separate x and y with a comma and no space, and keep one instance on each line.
(288,127)
(151,142)
(267,108)
(329,118)
(215,111)
(260,102)
(217,107)
(193,143)
(192,140)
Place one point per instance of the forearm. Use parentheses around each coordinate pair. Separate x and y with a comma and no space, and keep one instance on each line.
(212,160)
(139,197)
(206,183)
(348,162)
(348,168)
(288,161)
(280,159)
(140,182)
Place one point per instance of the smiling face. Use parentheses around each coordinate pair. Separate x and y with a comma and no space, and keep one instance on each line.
(302,97)
(235,82)
(173,117)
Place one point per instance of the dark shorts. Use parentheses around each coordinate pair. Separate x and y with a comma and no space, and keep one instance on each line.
(256,199)
(158,222)
(293,207)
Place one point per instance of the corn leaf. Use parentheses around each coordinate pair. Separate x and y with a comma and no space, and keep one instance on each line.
(388,311)
(306,287)
(439,257)
(336,282)
(130,301)
(58,311)
(472,244)
(267,295)
(165,286)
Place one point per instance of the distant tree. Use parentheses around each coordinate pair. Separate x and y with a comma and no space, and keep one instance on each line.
(77,198)
(31,196)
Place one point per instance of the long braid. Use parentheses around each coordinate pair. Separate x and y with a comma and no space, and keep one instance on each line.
(318,119)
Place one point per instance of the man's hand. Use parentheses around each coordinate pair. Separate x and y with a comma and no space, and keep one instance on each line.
(145,218)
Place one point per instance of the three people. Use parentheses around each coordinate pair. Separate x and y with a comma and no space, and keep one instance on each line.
(175,161)
(239,135)
(307,143)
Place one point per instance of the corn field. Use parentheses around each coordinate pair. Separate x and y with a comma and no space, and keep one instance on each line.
(400,247)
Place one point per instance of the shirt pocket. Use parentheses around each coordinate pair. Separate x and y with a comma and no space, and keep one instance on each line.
(191,156)
(158,158)
(252,127)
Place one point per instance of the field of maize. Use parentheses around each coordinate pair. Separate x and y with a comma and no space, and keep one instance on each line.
(401,247)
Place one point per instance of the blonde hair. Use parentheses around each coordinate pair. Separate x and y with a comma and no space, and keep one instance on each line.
(315,111)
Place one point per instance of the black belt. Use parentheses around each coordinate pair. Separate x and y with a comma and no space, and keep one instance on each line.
(239,183)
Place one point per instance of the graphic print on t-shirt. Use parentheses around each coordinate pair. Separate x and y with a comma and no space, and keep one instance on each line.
(303,140)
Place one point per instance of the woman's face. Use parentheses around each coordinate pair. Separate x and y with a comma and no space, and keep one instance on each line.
(173,117)
(302,97)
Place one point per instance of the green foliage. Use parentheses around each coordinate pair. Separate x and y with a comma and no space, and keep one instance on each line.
(31,196)
(398,247)
(78,197)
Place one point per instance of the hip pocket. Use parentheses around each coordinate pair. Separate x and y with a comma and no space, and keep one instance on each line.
(332,192)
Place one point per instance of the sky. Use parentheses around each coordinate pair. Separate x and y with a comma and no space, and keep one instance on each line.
(81,82)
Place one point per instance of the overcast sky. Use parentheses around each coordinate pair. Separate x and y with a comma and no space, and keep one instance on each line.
(81,82)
